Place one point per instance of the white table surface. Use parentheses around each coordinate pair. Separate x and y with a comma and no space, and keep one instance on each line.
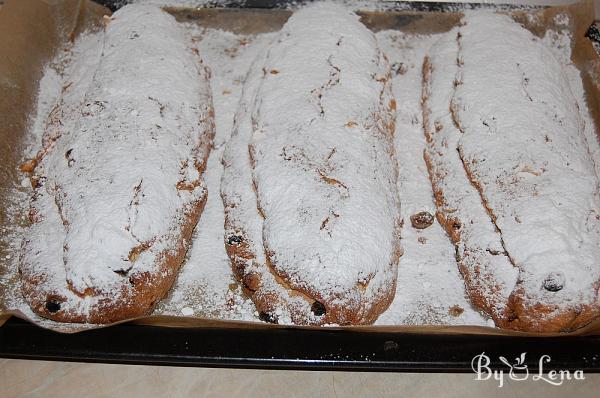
(20,378)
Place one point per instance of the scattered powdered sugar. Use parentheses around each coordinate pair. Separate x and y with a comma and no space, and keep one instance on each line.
(206,281)
(529,158)
(187,311)
(55,74)
(429,287)
(117,178)
(321,152)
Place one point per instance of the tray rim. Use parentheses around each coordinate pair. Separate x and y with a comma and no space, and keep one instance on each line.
(60,346)
(321,349)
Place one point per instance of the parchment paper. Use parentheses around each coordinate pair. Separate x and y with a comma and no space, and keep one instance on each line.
(34,31)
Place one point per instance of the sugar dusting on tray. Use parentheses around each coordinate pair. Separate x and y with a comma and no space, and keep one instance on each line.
(430,289)
(55,74)
(206,283)
(12,233)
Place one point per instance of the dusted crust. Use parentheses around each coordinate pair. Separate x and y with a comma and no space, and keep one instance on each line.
(275,301)
(278,281)
(518,135)
(118,185)
(137,295)
(488,274)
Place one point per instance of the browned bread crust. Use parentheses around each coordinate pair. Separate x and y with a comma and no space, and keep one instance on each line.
(116,196)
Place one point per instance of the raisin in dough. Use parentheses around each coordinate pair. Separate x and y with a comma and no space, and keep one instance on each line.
(274,299)
(321,211)
(118,183)
(522,146)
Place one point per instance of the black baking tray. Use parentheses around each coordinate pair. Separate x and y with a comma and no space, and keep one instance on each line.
(297,348)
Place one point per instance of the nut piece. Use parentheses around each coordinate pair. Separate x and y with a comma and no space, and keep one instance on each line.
(421,220)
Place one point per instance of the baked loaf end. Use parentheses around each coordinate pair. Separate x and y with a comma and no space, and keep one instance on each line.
(118,182)
(273,298)
(489,275)
(322,170)
(523,147)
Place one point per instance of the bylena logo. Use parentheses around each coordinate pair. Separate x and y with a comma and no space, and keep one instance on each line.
(519,371)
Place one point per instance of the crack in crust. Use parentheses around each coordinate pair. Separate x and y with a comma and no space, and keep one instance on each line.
(473,181)
(334,79)
(465,164)
(337,314)
(258,274)
(518,315)
(484,291)
(270,293)
(133,292)
(523,303)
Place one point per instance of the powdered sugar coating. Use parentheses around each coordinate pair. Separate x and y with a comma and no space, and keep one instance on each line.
(323,164)
(430,289)
(489,274)
(542,188)
(244,223)
(206,282)
(210,262)
(120,173)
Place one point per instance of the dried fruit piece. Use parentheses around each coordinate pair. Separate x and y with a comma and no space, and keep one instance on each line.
(318,308)
(456,310)
(52,306)
(28,166)
(265,317)
(234,240)
(554,282)
(421,220)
